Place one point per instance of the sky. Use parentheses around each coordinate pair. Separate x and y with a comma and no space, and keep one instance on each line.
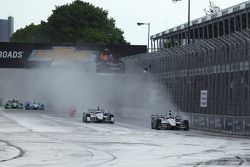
(161,14)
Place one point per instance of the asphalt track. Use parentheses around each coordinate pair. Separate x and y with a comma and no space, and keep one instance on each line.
(41,139)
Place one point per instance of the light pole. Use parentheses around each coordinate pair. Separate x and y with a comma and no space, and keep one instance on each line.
(188,33)
(148,24)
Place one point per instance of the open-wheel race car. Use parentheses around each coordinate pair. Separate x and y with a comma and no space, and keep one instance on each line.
(168,121)
(13,104)
(98,116)
(34,106)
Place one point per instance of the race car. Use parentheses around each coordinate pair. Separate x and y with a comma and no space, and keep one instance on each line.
(98,116)
(34,106)
(13,104)
(168,121)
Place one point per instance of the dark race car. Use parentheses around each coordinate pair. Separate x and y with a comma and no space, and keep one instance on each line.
(34,106)
(98,116)
(168,121)
(13,104)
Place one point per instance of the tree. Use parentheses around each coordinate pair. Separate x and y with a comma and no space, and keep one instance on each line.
(212,8)
(78,22)
(31,33)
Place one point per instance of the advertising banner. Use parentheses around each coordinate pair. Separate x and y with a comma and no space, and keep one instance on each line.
(203,99)
(32,55)
(211,121)
(219,122)
(238,124)
(229,123)
(247,124)
(203,121)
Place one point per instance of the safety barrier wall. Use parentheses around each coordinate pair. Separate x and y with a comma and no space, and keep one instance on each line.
(232,125)
(220,67)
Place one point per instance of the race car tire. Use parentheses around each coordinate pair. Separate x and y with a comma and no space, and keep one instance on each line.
(27,107)
(186,125)
(7,106)
(158,124)
(20,106)
(152,125)
(41,107)
(87,119)
(112,119)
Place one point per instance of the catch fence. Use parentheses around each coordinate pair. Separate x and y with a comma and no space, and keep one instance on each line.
(208,79)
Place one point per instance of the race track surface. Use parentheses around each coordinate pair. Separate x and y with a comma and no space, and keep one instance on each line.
(37,139)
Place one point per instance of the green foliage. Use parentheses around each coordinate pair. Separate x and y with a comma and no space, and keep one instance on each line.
(78,22)
(31,33)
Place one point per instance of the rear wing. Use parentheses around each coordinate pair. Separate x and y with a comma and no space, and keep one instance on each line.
(163,115)
(93,110)
(159,116)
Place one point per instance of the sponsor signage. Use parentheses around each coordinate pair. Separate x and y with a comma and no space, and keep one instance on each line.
(203,99)
(32,55)
(202,121)
(229,123)
(11,54)
(219,123)
(16,55)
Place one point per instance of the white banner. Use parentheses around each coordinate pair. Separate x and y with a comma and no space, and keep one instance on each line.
(203,101)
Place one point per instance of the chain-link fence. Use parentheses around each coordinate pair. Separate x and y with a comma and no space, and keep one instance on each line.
(219,67)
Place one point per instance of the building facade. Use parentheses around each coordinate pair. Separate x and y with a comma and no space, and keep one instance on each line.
(6,29)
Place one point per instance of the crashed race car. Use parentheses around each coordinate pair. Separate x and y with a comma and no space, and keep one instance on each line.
(13,104)
(98,116)
(168,121)
(34,106)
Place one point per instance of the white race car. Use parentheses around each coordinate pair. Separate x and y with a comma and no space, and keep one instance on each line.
(168,121)
(98,115)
